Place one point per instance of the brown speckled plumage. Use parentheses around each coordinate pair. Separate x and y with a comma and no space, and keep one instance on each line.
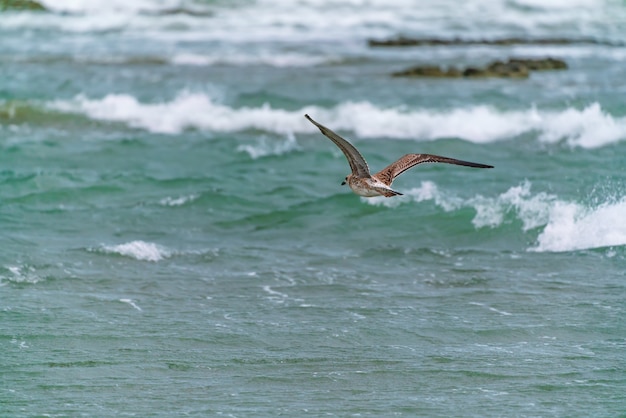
(367,185)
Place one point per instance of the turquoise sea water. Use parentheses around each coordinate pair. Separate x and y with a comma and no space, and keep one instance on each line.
(175,240)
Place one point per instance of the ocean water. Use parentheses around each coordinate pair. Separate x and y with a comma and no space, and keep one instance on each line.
(175,240)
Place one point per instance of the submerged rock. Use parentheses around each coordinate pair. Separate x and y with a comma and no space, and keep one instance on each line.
(20,5)
(513,68)
(540,64)
(405,41)
(181,11)
(429,71)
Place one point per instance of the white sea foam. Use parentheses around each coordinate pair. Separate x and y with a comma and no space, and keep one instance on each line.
(532,210)
(576,227)
(563,225)
(19,274)
(491,308)
(275,293)
(131,303)
(590,127)
(104,6)
(139,250)
(328,19)
(188,110)
(427,191)
(178,201)
(265,147)
(269,58)
(556,4)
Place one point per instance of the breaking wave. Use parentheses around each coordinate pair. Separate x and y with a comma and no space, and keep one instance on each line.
(272,59)
(563,225)
(178,201)
(19,274)
(575,227)
(139,250)
(328,19)
(590,127)
(265,147)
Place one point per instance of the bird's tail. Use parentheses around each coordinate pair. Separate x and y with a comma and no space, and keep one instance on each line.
(391,193)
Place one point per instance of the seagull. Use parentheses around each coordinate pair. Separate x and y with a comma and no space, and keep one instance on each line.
(367,185)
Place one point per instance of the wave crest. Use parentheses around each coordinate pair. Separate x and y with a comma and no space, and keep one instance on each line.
(590,127)
(566,226)
(575,227)
(19,274)
(139,250)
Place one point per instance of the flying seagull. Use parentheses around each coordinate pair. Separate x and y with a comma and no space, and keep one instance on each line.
(367,185)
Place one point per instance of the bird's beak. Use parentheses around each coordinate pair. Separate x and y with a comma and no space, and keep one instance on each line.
(343,183)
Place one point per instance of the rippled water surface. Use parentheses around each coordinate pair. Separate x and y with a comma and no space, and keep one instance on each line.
(175,240)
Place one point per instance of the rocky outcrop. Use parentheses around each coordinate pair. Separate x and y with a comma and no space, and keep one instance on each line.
(540,64)
(405,41)
(513,68)
(20,5)
(180,11)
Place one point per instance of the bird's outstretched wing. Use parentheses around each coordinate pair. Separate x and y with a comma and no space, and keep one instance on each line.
(355,159)
(393,170)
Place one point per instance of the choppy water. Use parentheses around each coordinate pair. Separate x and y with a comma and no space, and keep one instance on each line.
(175,240)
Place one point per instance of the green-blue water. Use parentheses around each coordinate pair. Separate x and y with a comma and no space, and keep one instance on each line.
(175,240)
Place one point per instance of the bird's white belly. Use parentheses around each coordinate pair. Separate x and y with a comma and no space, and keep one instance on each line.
(365,192)
(365,187)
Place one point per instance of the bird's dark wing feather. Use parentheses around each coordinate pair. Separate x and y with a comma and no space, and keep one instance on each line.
(355,159)
(393,170)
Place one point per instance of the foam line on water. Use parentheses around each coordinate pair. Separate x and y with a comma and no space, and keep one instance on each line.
(328,19)
(266,147)
(576,227)
(563,225)
(131,303)
(139,250)
(589,127)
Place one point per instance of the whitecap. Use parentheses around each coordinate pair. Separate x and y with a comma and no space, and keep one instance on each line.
(327,20)
(556,5)
(139,250)
(572,226)
(131,303)
(563,225)
(590,127)
(20,274)
(532,210)
(273,292)
(187,110)
(269,58)
(491,308)
(265,147)
(428,190)
(106,6)
(178,201)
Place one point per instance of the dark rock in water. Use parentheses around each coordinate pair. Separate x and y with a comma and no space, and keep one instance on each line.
(429,71)
(404,41)
(540,64)
(506,69)
(20,5)
(513,68)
